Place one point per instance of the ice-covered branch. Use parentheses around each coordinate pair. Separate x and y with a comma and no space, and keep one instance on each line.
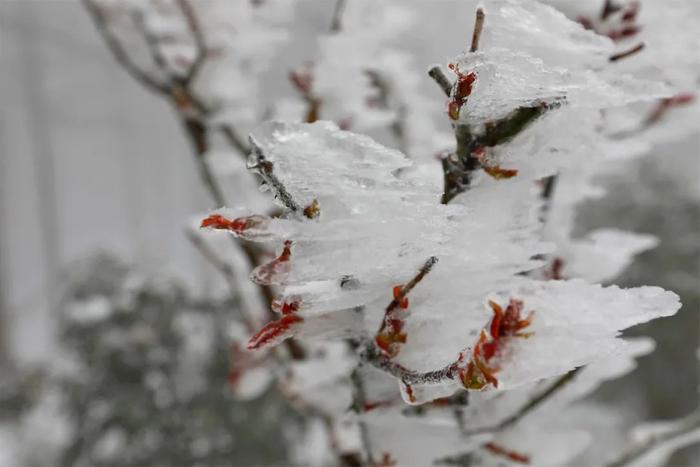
(265,168)
(390,333)
(373,356)
(406,289)
(458,167)
(688,427)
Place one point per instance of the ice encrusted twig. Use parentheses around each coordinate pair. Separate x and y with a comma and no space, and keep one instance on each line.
(265,168)
(458,168)
(390,332)
(424,270)
(369,353)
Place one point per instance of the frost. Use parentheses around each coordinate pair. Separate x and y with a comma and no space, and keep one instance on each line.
(369,209)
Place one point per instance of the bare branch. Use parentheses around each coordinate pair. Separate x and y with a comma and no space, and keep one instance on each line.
(478,27)
(152,44)
(119,53)
(198,36)
(439,77)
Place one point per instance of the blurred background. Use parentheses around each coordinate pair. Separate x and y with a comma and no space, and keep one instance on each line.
(95,172)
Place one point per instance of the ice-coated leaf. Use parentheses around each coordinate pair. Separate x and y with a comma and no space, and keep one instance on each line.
(373,227)
(580,322)
(532,54)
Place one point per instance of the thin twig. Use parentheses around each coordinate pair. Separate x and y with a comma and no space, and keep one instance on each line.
(226,271)
(118,52)
(627,53)
(198,36)
(530,405)
(398,129)
(235,140)
(198,136)
(197,133)
(441,79)
(266,169)
(373,356)
(359,400)
(687,425)
(387,98)
(424,270)
(549,185)
(609,7)
(478,27)
(391,315)
(152,44)
(461,460)
(337,20)
(456,402)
